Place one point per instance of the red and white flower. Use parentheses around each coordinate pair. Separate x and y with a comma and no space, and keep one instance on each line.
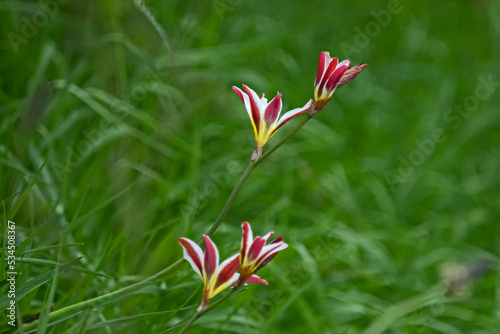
(255,254)
(216,277)
(265,115)
(331,75)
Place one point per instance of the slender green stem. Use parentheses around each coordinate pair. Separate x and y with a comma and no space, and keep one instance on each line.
(197,314)
(230,200)
(248,171)
(97,301)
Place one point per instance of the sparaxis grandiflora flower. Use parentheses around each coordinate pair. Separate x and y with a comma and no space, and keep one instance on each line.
(216,277)
(255,254)
(265,116)
(331,75)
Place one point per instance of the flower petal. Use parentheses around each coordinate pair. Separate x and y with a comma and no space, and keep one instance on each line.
(344,62)
(267,236)
(269,252)
(324,59)
(262,106)
(193,254)
(225,272)
(273,110)
(321,88)
(246,241)
(334,79)
(225,285)
(211,260)
(278,239)
(256,279)
(332,66)
(256,248)
(246,100)
(241,94)
(255,104)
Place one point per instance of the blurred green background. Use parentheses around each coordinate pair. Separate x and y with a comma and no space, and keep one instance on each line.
(119,133)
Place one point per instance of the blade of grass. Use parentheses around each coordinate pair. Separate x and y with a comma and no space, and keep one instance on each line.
(44,314)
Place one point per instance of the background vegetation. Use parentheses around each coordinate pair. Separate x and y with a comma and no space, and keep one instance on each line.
(117,138)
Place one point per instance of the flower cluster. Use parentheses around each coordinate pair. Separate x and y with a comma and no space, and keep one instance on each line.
(254,254)
(264,115)
(331,75)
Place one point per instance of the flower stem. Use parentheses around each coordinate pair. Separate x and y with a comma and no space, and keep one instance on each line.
(230,200)
(248,171)
(200,313)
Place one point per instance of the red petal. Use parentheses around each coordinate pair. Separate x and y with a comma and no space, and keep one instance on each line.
(334,79)
(266,257)
(240,94)
(193,255)
(211,257)
(256,279)
(227,272)
(255,108)
(255,249)
(330,70)
(245,242)
(278,239)
(321,67)
(273,110)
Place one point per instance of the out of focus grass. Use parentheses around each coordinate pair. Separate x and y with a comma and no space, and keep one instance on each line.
(114,143)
